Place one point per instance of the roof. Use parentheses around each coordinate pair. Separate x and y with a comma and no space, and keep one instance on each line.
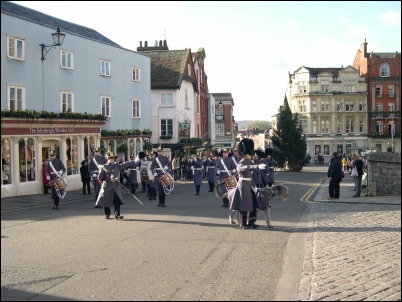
(167,68)
(34,16)
(316,71)
(384,55)
(222,95)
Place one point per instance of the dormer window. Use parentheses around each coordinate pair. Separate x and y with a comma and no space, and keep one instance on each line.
(325,86)
(384,70)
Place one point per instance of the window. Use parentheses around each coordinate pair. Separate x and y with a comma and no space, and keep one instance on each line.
(27,161)
(16,48)
(166,127)
(325,86)
(16,98)
(186,98)
(6,156)
(105,68)
(302,87)
(349,107)
(391,109)
(67,101)
(303,124)
(349,86)
(378,91)
(66,58)
(72,157)
(325,106)
(379,147)
(314,106)
(391,91)
(379,127)
(361,126)
(324,126)
(326,149)
(350,125)
(384,70)
(378,108)
(189,69)
(167,99)
(338,106)
(105,106)
(219,128)
(338,126)
(201,75)
(317,149)
(361,106)
(314,126)
(136,108)
(136,74)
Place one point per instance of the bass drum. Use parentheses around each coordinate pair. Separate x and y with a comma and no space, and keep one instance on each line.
(146,173)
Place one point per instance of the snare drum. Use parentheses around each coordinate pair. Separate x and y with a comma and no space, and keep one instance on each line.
(166,179)
(59,183)
(230,182)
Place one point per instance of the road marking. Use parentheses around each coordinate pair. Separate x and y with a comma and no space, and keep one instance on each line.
(306,197)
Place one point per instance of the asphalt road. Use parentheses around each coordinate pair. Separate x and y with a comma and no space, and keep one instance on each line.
(185,251)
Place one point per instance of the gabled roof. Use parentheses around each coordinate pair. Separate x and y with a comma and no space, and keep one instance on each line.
(168,68)
(34,16)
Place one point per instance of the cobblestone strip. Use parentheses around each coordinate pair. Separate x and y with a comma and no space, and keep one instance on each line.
(353,252)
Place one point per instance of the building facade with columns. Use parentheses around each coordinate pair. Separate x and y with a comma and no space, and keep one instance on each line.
(60,96)
(331,106)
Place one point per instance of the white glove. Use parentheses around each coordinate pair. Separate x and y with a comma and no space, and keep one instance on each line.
(218,172)
(48,177)
(137,159)
(192,168)
(61,172)
(112,178)
(165,168)
(262,166)
(234,171)
(138,168)
(94,175)
(271,168)
(155,174)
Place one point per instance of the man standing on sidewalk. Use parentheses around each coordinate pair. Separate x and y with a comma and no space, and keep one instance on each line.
(335,176)
(359,166)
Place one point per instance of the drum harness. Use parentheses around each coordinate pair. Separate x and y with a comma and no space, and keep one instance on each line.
(59,175)
(165,188)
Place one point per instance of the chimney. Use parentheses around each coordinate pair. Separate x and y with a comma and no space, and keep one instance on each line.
(160,42)
(140,43)
(164,43)
(156,43)
(363,48)
(146,44)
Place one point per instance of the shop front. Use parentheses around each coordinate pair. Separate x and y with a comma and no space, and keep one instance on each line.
(25,145)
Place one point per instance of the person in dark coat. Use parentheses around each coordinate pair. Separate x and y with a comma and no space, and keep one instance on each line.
(243,197)
(132,176)
(55,169)
(93,168)
(335,176)
(159,166)
(142,158)
(46,182)
(153,185)
(183,169)
(85,177)
(196,167)
(359,166)
(270,167)
(257,175)
(110,193)
(225,167)
(211,172)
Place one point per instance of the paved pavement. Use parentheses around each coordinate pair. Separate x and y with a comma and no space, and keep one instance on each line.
(353,245)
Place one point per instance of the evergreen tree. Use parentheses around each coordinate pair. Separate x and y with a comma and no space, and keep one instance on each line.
(288,140)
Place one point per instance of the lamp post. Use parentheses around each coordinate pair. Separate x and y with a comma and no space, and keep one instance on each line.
(58,39)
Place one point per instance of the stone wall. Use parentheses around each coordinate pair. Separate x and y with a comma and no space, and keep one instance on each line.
(384,174)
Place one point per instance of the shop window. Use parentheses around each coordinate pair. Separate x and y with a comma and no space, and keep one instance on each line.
(317,149)
(326,149)
(6,176)
(72,156)
(26,159)
(111,146)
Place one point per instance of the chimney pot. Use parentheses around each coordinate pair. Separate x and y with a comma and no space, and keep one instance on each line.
(140,43)
(164,43)
(160,42)
(146,44)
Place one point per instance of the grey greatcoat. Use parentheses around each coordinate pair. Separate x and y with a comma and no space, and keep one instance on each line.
(93,169)
(58,166)
(211,173)
(197,165)
(241,197)
(132,177)
(256,175)
(106,194)
(236,159)
(271,172)
(264,172)
(230,165)
(155,168)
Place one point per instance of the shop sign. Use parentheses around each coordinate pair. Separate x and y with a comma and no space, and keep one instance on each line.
(44,131)
(188,147)
(338,138)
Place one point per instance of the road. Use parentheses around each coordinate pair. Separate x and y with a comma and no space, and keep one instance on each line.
(185,251)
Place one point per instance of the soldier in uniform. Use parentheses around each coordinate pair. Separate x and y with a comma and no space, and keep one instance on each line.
(153,185)
(270,166)
(55,168)
(243,198)
(93,169)
(235,157)
(211,172)
(132,177)
(159,166)
(196,167)
(110,193)
(141,155)
(225,167)
(148,157)
(257,175)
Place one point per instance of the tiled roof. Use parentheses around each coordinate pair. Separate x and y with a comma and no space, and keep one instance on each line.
(315,71)
(384,55)
(222,95)
(34,16)
(167,67)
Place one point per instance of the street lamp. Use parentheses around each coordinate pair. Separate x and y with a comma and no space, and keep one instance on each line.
(220,104)
(58,39)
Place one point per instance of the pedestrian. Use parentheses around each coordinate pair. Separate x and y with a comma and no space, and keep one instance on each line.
(196,167)
(344,163)
(335,176)
(358,163)
(211,172)
(315,160)
(243,197)
(225,167)
(175,164)
(46,182)
(85,177)
(183,169)
(153,185)
(271,163)
(110,193)
(132,177)
(160,165)
(55,170)
(94,168)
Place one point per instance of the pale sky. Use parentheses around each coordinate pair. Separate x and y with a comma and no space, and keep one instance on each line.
(250,46)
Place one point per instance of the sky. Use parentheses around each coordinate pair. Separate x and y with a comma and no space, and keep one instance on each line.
(250,46)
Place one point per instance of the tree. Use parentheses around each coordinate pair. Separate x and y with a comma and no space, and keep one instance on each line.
(262,125)
(288,140)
